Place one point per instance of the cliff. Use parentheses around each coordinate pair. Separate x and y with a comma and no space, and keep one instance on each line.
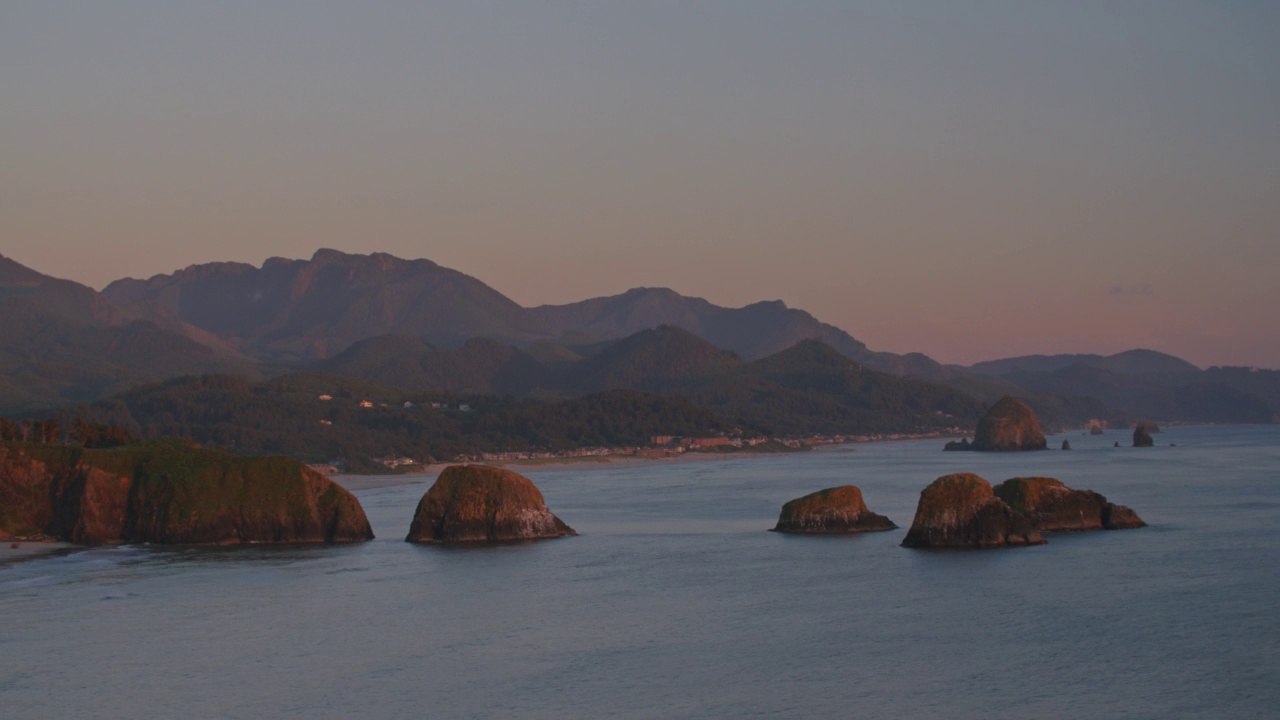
(478,503)
(961,511)
(1009,425)
(832,511)
(170,492)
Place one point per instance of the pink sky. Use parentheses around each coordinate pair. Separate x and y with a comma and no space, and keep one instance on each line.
(972,182)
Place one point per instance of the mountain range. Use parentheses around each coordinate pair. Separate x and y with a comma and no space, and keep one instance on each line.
(416,325)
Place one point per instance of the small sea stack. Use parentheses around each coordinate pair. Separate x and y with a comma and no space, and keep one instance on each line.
(961,511)
(1066,444)
(834,511)
(1010,425)
(478,504)
(1142,436)
(954,445)
(1054,507)
(1095,429)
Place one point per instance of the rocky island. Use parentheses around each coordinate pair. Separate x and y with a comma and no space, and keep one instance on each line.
(170,491)
(961,511)
(1054,507)
(1010,425)
(1142,433)
(479,503)
(837,510)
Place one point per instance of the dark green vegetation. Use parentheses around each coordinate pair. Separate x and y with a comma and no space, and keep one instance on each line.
(698,391)
(52,432)
(285,416)
(545,378)
(169,491)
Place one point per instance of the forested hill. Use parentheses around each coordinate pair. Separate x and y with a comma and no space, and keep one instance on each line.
(320,418)
(810,389)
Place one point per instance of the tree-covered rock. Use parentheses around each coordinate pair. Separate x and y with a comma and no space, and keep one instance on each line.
(478,503)
(170,492)
(961,511)
(1008,426)
(836,510)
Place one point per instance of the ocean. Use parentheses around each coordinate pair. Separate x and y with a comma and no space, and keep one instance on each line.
(674,602)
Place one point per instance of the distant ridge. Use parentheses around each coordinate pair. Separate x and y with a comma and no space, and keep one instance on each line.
(295,311)
(753,331)
(413,324)
(298,310)
(63,342)
(1130,362)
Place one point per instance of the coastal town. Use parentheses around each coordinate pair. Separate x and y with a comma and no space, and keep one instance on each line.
(659,447)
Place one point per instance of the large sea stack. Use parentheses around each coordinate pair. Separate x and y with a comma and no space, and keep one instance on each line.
(170,492)
(961,511)
(478,503)
(1009,425)
(837,510)
(1054,507)
(1142,436)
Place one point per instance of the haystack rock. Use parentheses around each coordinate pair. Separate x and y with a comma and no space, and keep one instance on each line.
(170,492)
(961,511)
(1054,507)
(832,511)
(478,503)
(1009,425)
(1142,436)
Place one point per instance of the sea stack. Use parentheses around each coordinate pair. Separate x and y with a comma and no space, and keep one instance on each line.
(961,444)
(1009,425)
(1066,445)
(1054,507)
(479,503)
(170,492)
(1095,429)
(837,510)
(961,511)
(1142,436)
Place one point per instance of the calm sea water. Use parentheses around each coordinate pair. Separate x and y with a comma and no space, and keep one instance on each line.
(675,602)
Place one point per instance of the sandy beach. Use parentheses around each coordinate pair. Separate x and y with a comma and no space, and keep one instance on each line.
(11,550)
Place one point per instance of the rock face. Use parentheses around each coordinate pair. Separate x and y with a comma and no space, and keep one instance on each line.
(961,511)
(1055,507)
(836,510)
(170,492)
(1009,425)
(478,503)
(962,444)
(1142,436)
(1119,517)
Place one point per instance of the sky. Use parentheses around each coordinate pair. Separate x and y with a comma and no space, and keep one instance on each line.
(972,180)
